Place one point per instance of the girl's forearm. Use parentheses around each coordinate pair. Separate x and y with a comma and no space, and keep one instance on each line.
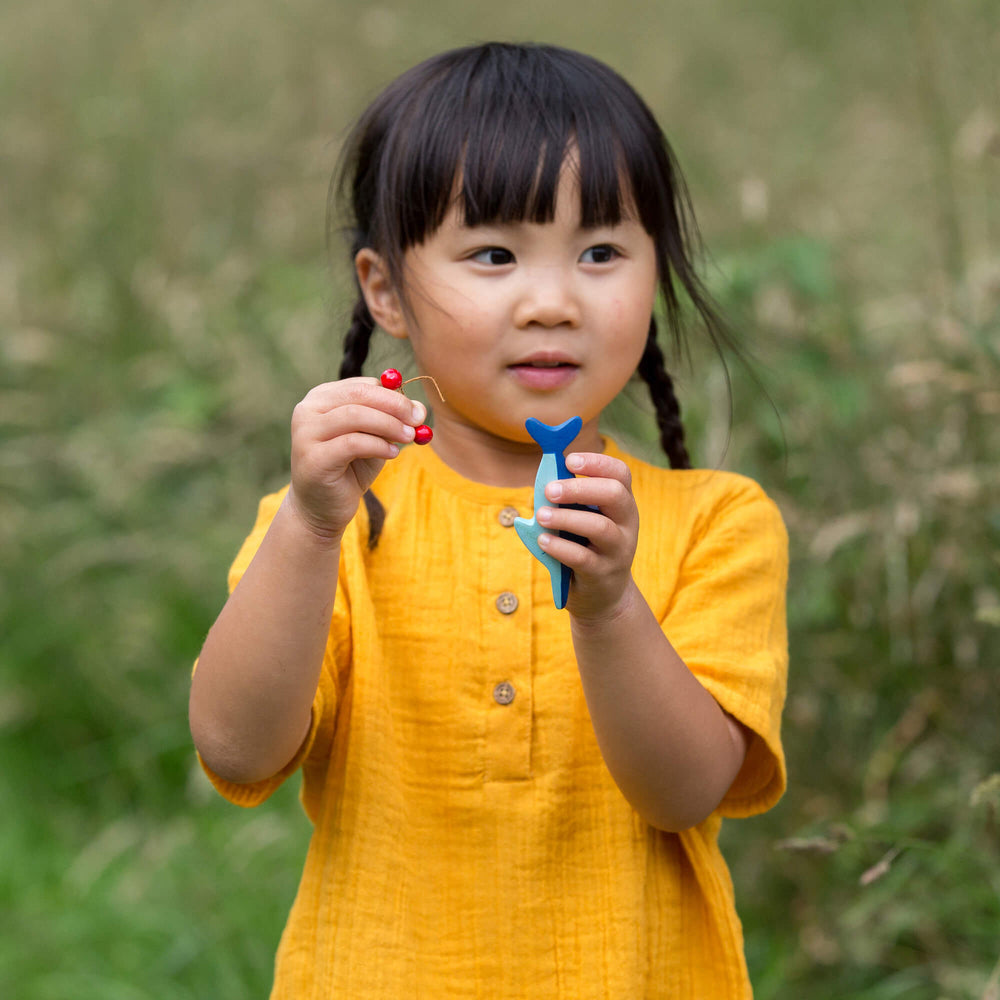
(669,746)
(252,692)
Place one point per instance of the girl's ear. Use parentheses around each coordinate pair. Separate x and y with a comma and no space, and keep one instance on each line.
(380,294)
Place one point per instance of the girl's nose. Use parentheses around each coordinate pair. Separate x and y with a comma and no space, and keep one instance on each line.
(548,298)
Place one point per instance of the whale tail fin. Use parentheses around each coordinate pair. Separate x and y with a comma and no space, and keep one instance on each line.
(554,439)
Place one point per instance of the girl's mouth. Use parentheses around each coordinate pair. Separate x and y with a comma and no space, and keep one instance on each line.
(543,374)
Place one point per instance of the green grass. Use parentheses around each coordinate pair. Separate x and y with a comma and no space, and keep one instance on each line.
(166,298)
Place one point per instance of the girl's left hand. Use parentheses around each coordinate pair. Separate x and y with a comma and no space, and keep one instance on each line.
(602,570)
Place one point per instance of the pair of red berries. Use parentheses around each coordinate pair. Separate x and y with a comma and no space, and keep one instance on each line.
(392,379)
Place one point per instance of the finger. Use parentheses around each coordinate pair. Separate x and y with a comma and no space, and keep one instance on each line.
(351,418)
(579,558)
(599,466)
(329,459)
(611,496)
(600,531)
(364,392)
(349,448)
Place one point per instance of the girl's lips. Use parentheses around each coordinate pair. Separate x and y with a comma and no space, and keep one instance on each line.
(543,377)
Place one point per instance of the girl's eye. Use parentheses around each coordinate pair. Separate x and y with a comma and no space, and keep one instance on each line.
(494,256)
(601,254)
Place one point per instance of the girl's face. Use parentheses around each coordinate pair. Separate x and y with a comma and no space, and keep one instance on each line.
(525,320)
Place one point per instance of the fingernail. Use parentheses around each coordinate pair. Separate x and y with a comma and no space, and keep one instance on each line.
(554,490)
(574,462)
(418,413)
(544,541)
(543,515)
(408,432)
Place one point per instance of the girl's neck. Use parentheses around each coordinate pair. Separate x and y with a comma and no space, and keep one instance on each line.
(496,461)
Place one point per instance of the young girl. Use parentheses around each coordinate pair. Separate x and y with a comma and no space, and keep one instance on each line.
(508,800)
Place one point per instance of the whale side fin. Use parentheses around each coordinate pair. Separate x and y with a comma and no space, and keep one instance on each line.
(528,531)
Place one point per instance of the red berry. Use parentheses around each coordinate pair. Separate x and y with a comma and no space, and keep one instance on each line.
(422,434)
(391,378)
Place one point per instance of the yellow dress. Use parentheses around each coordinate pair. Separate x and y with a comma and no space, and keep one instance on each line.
(468,840)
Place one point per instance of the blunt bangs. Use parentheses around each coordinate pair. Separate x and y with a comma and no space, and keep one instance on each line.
(492,126)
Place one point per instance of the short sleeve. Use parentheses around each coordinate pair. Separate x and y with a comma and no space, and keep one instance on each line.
(324,706)
(727,621)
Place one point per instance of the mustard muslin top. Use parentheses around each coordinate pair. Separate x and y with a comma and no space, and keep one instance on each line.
(468,840)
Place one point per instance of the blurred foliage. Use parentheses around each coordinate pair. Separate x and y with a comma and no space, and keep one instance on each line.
(165,298)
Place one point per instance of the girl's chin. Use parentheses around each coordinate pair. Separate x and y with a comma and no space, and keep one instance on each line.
(466,421)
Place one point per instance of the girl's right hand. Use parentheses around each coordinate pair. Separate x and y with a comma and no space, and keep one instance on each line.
(342,434)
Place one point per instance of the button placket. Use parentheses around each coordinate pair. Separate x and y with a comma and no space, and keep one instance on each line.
(507,648)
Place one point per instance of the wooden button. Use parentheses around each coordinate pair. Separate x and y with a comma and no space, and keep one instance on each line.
(507,603)
(503,693)
(507,516)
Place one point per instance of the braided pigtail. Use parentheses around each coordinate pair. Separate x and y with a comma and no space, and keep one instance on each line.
(356,344)
(357,340)
(653,371)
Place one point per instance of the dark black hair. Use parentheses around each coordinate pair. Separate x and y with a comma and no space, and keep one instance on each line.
(500,118)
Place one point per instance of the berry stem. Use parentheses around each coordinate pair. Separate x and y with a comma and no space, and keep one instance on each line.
(417,378)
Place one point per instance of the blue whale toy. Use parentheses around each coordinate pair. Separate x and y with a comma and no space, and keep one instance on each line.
(553,442)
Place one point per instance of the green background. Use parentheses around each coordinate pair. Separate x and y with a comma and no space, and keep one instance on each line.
(166,297)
